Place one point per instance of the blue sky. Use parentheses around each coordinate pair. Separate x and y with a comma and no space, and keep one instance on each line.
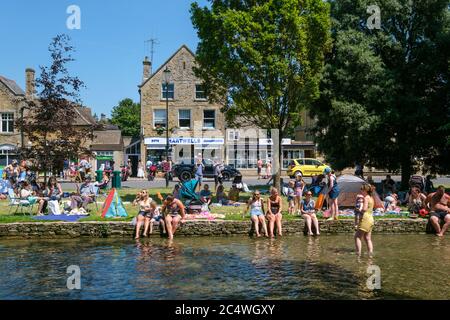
(110,44)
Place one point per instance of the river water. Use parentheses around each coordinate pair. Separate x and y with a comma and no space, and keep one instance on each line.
(294,267)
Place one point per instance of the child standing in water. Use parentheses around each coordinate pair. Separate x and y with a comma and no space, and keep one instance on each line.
(291,197)
(358,209)
(364,230)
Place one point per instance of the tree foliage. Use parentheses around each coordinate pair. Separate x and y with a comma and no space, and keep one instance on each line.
(262,59)
(127,116)
(50,121)
(385,93)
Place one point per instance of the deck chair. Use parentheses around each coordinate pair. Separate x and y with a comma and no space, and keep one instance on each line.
(19,203)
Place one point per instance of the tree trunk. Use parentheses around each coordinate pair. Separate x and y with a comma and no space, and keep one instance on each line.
(406,166)
(277,138)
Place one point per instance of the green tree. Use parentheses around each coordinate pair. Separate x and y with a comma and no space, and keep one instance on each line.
(127,116)
(385,93)
(262,59)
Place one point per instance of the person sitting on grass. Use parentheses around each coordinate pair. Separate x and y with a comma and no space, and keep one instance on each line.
(274,205)
(256,204)
(233,195)
(174,213)
(205,195)
(105,181)
(176,191)
(390,203)
(143,217)
(84,195)
(27,194)
(221,196)
(309,213)
(438,203)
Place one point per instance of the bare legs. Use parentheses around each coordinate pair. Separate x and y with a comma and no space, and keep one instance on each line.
(256,221)
(310,220)
(140,220)
(367,236)
(334,209)
(435,221)
(172,225)
(278,218)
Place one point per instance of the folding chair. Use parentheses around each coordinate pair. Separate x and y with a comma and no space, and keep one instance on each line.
(19,203)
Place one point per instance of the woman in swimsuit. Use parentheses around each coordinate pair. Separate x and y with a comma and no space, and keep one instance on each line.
(333,193)
(364,229)
(274,215)
(257,212)
(144,201)
(174,212)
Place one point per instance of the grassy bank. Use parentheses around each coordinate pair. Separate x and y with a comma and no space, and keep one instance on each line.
(235,213)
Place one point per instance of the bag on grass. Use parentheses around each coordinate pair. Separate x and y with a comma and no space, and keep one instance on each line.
(53,208)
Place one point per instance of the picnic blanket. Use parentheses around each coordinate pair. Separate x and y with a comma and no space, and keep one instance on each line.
(58,218)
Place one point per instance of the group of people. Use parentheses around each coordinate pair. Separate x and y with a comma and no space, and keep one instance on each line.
(169,215)
(261,166)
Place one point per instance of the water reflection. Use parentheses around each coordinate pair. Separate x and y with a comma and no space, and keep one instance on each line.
(232,268)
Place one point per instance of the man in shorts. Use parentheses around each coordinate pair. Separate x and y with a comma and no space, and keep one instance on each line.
(438,202)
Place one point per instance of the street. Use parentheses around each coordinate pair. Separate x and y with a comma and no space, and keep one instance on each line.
(135,183)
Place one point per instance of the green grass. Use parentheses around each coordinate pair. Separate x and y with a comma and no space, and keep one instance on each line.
(236,213)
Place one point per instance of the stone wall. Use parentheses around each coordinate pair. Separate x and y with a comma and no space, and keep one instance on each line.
(192,228)
(11,104)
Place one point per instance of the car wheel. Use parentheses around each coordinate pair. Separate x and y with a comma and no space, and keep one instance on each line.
(226,176)
(298,173)
(185,176)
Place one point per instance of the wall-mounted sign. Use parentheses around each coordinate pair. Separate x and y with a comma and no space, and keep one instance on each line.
(184,141)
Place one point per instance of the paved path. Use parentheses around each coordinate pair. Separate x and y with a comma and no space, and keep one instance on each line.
(253,181)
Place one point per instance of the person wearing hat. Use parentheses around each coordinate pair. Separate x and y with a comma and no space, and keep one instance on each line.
(85,194)
(333,193)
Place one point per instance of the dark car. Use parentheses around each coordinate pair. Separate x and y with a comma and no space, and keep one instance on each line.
(186,171)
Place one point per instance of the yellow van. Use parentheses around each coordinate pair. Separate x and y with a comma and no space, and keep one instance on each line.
(306,167)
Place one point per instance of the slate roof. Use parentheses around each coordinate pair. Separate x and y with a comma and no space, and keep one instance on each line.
(12,86)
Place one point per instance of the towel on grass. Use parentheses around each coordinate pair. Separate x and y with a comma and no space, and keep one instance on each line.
(58,218)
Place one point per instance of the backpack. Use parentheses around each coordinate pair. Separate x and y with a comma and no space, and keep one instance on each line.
(417,181)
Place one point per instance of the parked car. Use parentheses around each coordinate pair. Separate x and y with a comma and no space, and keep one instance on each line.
(307,167)
(186,171)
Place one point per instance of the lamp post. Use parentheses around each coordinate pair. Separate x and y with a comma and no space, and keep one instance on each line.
(22,137)
(166,82)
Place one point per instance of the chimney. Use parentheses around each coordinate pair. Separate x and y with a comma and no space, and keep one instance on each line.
(29,83)
(147,69)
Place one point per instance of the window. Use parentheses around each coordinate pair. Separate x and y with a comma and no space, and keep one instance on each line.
(171,92)
(289,155)
(308,162)
(7,155)
(233,135)
(209,119)
(184,119)
(7,124)
(159,118)
(199,92)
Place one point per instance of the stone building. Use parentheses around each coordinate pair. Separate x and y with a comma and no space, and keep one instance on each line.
(195,125)
(12,99)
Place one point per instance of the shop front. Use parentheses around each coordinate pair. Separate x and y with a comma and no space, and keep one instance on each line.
(184,150)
